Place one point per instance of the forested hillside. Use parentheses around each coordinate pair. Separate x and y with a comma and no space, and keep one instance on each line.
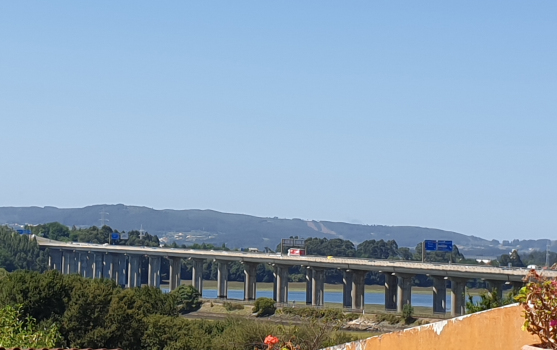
(234,230)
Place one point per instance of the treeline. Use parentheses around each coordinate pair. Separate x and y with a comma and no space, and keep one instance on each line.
(19,252)
(97,313)
(93,234)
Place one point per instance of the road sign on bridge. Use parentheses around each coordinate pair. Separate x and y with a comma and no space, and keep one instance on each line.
(444,246)
(430,246)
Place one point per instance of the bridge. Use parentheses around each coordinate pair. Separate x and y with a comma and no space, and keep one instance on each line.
(122,264)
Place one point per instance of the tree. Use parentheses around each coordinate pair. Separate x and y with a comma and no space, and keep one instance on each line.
(515,259)
(187,299)
(264,307)
(17,333)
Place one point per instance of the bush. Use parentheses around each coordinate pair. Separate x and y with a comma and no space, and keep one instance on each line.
(313,313)
(539,300)
(14,332)
(187,299)
(389,318)
(232,306)
(408,313)
(264,307)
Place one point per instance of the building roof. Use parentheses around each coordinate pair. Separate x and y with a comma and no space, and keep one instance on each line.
(3,348)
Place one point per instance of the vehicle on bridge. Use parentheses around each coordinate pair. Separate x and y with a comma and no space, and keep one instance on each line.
(296,252)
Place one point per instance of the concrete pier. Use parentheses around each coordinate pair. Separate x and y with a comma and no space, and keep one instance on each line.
(120,268)
(154,273)
(318,287)
(391,282)
(197,274)
(250,281)
(134,271)
(74,262)
(174,274)
(347,277)
(89,266)
(98,265)
(55,259)
(404,291)
(108,266)
(309,281)
(458,296)
(222,279)
(358,289)
(439,295)
(281,283)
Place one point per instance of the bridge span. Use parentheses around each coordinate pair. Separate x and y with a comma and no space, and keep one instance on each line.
(122,263)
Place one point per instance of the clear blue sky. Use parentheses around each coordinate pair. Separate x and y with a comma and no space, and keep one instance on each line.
(439,114)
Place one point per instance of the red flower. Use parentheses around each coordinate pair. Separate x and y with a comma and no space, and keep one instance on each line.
(270,340)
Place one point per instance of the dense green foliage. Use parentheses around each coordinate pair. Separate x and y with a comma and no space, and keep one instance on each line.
(20,332)
(408,314)
(230,306)
(90,313)
(93,234)
(539,300)
(187,299)
(98,314)
(20,252)
(314,313)
(488,300)
(264,307)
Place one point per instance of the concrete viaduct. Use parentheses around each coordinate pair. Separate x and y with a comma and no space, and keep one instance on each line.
(122,264)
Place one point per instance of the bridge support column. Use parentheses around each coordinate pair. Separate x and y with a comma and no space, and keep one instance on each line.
(439,295)
(82,264)
(309,292)
(174,274)
(404,291)
(458,297)
(134,272)
(120,268)
(55,260)
(89,267)
(318,287)
(390,291)
(347,277)
(67,258)
(281,279)
(197,275)
(358,290)
(98,265)
(250,281)
(108,266)
(154,277)
(222,279)
(495,287)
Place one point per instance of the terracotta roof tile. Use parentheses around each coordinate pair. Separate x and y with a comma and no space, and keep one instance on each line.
(2,348)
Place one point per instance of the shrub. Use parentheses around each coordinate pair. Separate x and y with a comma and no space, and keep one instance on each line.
(14,332)
(232,306)
(264,307)
(408,313)
(187,299)
(389,318)
(539,300)
(313,313)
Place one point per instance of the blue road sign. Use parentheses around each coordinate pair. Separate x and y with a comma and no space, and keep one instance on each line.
(115,236)
(444,246)
(24,232)
(430,245)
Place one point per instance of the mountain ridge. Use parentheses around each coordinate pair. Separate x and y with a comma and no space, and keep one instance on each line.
(235,230)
